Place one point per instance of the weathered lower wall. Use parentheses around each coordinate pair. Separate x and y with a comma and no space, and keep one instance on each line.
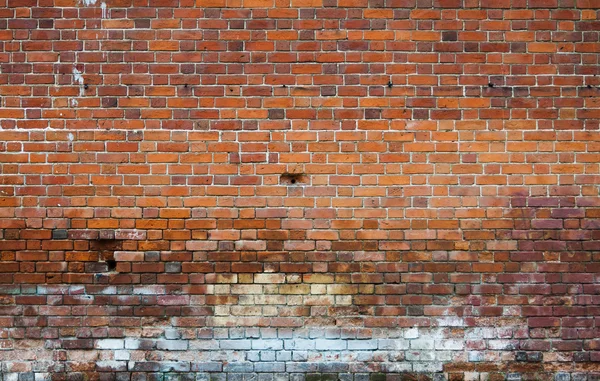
(280,190)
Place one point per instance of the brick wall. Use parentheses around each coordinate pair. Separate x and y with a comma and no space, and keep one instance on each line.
(288,190)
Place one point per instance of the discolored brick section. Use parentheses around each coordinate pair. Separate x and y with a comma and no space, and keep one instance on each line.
(299,190)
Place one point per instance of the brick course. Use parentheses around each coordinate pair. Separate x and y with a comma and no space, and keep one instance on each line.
(299,190)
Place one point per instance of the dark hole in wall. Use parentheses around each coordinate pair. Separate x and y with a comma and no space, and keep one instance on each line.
(106,245)
(293,179)
(111,265)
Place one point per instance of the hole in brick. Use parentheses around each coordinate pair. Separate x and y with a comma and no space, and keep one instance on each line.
(111,265)
(293,178)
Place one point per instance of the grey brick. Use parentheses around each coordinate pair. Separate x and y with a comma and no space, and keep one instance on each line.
(427,366)
(284,333)
(139,344)
(361,356)
(253,356)
(218,377)
(270,333)
(362,344)
(267,355)
(300,356)
(267,344)
(281,377)
(265,377)
(269,367)
(173,267)
(238,367)
(398,367)
(111,366)
(235,344)
(447,356)
(331,345)
(422,344)
(206,367)
(299,344)
(57,234)
(392,344)
(144,366)
(204,344)
(475,356)
(420,356)
(562,377)
(152,256)
(301,367)
(172,345)
(175,366)
(284,355)
(333,367)
(27,376)
(449,344)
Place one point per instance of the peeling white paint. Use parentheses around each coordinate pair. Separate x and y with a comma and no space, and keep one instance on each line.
(74,102)
(451,321)
(104,10)
(77,77)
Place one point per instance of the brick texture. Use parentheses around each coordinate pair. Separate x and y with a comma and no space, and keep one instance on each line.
(299,190)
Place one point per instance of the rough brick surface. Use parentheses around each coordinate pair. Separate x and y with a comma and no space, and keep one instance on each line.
(299,190)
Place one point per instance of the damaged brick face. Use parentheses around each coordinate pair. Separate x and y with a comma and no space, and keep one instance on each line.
(289,190)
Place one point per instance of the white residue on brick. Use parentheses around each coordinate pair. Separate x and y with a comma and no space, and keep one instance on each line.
(104,10)
(87,3)
(78,78)
(450,321)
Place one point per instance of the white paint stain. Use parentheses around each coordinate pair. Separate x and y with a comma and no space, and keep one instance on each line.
(71,137)
(87,3)
(450,321)
(74,102)
(104,10)
(77,77)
